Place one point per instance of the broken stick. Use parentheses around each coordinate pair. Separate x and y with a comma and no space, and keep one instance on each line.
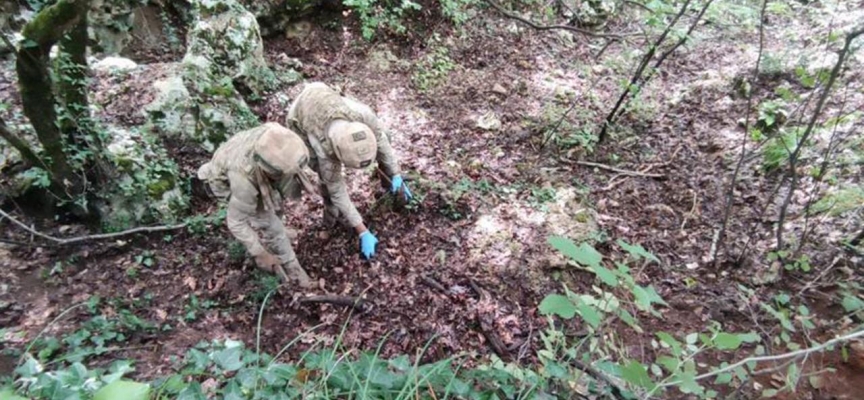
(614,169)
(347,301)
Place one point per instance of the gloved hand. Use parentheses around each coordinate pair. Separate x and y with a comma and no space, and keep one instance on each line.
(367,244)
(267,261)
(396,183)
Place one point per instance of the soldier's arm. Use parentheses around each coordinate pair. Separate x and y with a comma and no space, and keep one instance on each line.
(387,160)
(241,208)
(331,175)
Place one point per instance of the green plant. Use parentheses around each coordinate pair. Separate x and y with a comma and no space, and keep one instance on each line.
(777,149)
(195,307)
(236,251)
(381,14)
(433,68)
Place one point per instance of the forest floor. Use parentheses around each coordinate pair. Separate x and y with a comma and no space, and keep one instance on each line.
(489,199)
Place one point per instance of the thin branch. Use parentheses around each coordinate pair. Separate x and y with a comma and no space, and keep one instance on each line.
(101,236)
(618,170)
(347,301)
(19,144)
(793,158)
(637,75)
(793,355)
(730,194)
(540,27)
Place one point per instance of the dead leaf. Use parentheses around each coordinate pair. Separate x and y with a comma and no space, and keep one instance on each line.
(190,281)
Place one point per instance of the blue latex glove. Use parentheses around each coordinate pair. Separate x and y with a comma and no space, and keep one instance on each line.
(367,244)
(396,184)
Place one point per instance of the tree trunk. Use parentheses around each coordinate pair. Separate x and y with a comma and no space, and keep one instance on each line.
(37,92)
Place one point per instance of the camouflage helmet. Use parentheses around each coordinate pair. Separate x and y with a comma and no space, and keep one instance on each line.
(280,151)
(354,143)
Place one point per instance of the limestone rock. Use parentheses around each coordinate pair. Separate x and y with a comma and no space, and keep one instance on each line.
(113,64)
(147,186)
(110,23)
(489,122)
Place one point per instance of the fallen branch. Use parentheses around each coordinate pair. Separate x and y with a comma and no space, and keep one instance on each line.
(433,284)
(495,342)
(101,236)
(540,27)
(614,169)
(346,301)
(791,355)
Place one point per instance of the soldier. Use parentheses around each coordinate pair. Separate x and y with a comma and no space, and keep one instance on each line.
(254,171)
(340,130)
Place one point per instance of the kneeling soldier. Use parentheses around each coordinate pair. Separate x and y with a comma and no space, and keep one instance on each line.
(340,130)
(254,171)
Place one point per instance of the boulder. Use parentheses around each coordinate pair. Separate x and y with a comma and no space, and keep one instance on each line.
(110,23)
(205,100)
(113,64)
(274,16)
(147,183)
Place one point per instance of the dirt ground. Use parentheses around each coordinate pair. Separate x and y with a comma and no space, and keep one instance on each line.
(497,247)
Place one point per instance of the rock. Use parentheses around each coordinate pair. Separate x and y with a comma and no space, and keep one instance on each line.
(114,64)
(224,62)
(497,88)
(274,16)
(110,22)
(298,30)
(381,59)
(147,187)
(489,122)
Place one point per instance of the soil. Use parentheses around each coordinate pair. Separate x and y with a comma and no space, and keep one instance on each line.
(690,138)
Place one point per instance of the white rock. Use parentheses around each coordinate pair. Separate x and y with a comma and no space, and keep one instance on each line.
(114,64)
(489,122)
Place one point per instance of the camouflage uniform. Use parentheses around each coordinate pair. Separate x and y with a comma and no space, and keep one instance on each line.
(234,174)
(310,115)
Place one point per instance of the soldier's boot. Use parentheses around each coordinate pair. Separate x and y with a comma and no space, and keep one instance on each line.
(296,274)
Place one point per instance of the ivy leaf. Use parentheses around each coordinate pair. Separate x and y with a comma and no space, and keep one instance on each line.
(749,337)
(123,389)
(10,395)
(636,374)
(558,305)
(637,251)
(583,254)
(589,314)
(607,276)
(229,359)
(727,341)
(723,379)
(852,303)
(645,296)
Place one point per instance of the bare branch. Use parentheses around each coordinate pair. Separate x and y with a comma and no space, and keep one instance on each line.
(540,27)
(101,236)
(779,357)
(614,169)
(793,158)
(19,144)
(346,301)
(730,194)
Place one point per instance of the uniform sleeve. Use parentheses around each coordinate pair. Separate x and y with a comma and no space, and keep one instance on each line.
(386,158)
(331,176)
(241,208)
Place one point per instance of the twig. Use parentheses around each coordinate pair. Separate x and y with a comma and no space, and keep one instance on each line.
(636,80)
(433,284)
(793,158)
(795,354)
(101,236)
(347,301)
(614,169)
(496,343)
(730,195)
(818,277)
(539,27)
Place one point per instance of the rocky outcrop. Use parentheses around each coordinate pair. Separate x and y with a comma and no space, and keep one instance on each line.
(205,101)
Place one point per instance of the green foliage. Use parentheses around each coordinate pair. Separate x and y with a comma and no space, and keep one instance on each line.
(841,201)
(200,224)
(433,68)
(776,151)
(195,307)
(391,16)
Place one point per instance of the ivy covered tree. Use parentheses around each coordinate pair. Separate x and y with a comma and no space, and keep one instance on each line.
(57,107)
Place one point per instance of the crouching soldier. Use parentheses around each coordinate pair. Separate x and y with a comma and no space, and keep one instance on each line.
(342,131)
(254,171)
